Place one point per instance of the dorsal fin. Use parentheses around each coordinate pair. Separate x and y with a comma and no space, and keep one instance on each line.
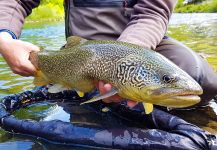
(74,41)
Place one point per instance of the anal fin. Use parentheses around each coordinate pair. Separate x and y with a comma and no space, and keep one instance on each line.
(80,94)
(56,88)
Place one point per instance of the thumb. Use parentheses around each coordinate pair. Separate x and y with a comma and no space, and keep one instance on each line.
(28,67)
(31,47)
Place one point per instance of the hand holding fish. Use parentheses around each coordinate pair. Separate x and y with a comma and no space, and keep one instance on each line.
(135,73)
(16,54)
(106,87)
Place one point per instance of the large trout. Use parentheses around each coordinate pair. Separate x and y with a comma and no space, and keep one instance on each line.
(136,73)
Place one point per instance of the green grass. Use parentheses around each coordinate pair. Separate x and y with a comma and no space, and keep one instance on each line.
(49,10)
(205,6)
(52,10)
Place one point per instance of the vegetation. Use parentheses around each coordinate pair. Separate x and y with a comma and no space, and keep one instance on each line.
(53,9)
(48,10)
(200,6)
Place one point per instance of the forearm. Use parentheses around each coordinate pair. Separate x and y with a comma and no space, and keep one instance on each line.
(4,36)
(13,13)
(149,22)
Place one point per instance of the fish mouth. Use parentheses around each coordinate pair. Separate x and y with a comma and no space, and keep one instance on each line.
(180,101)
(187,97)
(176,98)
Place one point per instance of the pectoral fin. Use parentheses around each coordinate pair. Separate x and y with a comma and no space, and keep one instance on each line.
(56,88)
(148,107)
(80,94)
(106,95)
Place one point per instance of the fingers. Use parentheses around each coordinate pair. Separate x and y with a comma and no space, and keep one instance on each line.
(22,72)
(26,66)
(23,68)
(16,53)
(104,88)
(131,104)
(107,87)
(31,47)
(30,68)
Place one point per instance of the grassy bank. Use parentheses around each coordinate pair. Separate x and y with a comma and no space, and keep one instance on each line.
(53,9)
(208,6)
(49,10)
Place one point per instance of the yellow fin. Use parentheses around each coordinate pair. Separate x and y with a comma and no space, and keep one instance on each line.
(105,109)
(80,94)
(148,107)
(40,79)
(100,97)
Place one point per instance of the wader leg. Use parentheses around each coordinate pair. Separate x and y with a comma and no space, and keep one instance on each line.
(193,64)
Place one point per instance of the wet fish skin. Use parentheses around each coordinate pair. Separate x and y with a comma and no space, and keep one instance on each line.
(135,72)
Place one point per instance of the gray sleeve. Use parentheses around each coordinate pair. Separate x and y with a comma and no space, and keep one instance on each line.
(13,13)
(149,22)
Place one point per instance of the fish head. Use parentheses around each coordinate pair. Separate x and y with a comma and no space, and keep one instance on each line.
(155,79)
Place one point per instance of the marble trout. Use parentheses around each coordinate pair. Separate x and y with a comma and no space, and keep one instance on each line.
(136,73)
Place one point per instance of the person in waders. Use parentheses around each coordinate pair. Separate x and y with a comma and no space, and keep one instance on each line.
(140,22)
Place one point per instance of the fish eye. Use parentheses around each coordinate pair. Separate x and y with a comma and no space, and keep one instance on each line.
(168,79)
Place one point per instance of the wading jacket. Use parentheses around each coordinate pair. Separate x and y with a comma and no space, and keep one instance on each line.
(142,22)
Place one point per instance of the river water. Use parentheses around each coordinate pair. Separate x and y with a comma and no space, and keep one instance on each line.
(198,31)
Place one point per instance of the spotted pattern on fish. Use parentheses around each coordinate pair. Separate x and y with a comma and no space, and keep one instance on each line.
(138,74)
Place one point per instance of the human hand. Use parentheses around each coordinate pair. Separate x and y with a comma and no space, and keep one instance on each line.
(106,87)
(16,54)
